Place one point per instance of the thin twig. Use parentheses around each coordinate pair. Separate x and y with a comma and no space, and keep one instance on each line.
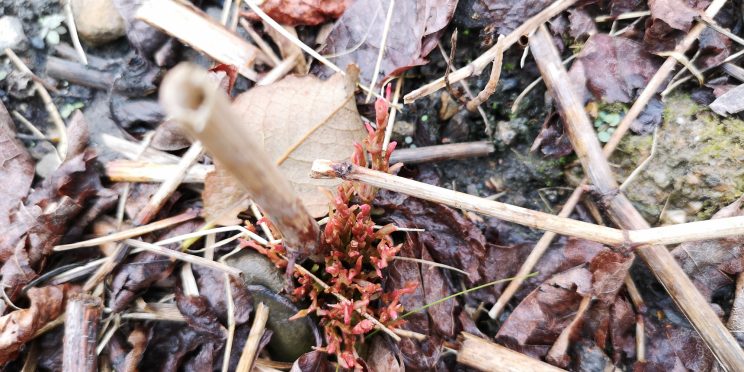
(73,33)
(381,53)
(626,15)
(643,164)
(493,80)
(230,320)
(484,59)
(131,233)
(430,263)
(392,115)
(48,103)
(250,349)
(168,187)
(196,260)
(262,44)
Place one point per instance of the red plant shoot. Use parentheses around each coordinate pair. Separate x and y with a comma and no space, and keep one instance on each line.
(357,255)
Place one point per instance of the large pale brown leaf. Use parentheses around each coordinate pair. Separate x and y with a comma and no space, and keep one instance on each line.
(280,114)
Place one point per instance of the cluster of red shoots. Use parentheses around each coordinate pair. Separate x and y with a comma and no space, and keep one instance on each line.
(357,255)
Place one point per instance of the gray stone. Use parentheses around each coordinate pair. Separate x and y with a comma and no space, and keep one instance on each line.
(97,21)
(12,35)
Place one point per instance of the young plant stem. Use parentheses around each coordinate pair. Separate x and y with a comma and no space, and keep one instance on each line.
(692,231)
(587,147)
(82,316)
(192,98)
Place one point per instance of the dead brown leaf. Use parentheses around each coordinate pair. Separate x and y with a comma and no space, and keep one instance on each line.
(304,12)
(611,69)
(711,263)
(16,169)
(282,113)
(414,26)
(16,328)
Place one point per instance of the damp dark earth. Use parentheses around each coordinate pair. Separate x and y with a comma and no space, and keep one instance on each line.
(371,185)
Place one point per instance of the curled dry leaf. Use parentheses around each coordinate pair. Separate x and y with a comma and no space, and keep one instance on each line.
(16,170)
(538,320)
(282,113)
(304,12)
(670,20)
(200,315)
(356,37)
(611,69)
(16,328)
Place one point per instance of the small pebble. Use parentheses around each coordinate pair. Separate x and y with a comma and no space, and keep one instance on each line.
(97,21)
(408,140)
(12,35)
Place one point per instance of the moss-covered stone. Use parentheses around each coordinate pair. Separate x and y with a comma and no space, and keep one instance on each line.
(697,167)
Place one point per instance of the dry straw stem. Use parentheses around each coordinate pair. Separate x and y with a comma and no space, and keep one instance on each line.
(131,233)
(475,67)
(170,185)
(192,98)
(122,170)
(693,231)
(73,33)
(581,133)
(485,355)
(48,103)
(82,316)
(542,245)
(250,349)
(193,27)
(196,260)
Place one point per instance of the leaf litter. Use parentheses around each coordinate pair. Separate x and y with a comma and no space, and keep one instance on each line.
(574,312)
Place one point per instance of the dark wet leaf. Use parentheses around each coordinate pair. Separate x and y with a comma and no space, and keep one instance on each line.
(650,118)
(16,169)
(710,264)
(436,287)
(672,346)
(199,315)
(310,362)
(611,69)
(551,139)
(17,327)
(609,270)
(139,272)
(170,136)
(170,346)
(581,24)
(212,287)
(669,21)
(537,321)
(618,7)
(304,12)
(504,15)
(149,42)
(714,48)
(356,36)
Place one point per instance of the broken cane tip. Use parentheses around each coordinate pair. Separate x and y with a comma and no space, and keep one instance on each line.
(323,169)
(187,94)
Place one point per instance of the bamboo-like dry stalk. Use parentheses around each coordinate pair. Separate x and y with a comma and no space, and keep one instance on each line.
(121,170)
(192,98)
(586,145)
(250,349)
(82,316)
(485,355)
(475,67)
(195,28)
(692,231)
